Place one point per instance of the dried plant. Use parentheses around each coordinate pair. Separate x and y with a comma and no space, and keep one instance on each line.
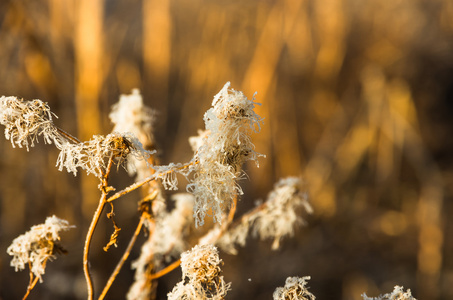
(294,289)
(37,246)
(397,294)
(212,174)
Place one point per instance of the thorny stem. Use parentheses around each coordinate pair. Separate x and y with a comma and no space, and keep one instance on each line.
(139,184)
(123,259)
(102,202)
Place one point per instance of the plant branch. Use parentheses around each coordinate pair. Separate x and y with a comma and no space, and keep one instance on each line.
(139,184)
(68,136)
(123,259)
(102,202)
(166,270)
(31,283)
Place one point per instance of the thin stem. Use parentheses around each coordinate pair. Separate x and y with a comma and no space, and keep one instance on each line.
(94,221)
(31,282)
(123,259)
(139,184)
(86,249)
(31,285)
(232,211)
(166,270)
(67,135)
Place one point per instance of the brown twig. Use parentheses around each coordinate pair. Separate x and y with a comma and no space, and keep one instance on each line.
(166,270)
(123,259)
(68,136)
(139,184)
(31,283)
(102,202)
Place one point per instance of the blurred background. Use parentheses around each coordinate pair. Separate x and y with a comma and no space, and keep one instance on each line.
(357,98)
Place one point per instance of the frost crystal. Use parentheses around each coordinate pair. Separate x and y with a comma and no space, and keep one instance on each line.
(222,149)
(24,121)
(294,289)
(200,275)
(38,245)
(397,294)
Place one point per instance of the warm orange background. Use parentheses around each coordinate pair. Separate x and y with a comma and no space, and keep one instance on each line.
(357,98)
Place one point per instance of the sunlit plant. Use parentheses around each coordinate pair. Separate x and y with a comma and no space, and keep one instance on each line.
(212,188)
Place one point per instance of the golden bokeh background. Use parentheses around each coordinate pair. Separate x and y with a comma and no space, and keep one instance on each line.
(357,98)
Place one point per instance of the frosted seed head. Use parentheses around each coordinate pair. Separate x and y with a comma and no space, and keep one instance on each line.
(25,121)
(37,246)
(282,211)
(220,152)
(201,268)
(92,155)
(294,289)
(397,294)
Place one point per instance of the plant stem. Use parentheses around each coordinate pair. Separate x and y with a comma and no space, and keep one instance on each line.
(139,184)
(32,282)
(166,270)
(123,259)
(31,285)
(68,136)
(94,221)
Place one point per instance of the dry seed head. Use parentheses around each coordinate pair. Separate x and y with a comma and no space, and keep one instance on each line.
(221,150)
(24,121)
(294,289)
(129,114)
(397,294)
(38,245)
(282,211)
(92,155)
(200,279)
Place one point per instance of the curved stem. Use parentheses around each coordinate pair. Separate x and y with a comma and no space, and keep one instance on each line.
(32,282)
(31,285)
(166,270)
(123,259)
(94,222)
(86,249)
(68,136)
(146,180)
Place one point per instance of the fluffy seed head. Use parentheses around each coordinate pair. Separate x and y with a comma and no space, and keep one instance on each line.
(37,246)
(92,155)
(294,289)
(24,121)
(222,149)
(397,294)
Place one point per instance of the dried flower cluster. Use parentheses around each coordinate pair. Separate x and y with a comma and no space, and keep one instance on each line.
(24,121)
(275,218)
(167,242)
(397,294)
(294,289)
(37,246)
(92,155)
(130,115)
(282,211)
(226,146)
(220,151)
(200,275)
